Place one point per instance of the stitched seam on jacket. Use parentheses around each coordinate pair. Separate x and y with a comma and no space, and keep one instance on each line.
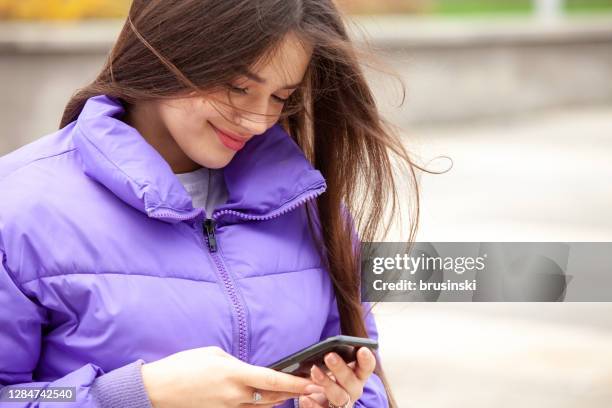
(156,276)
(114,273)
(298,193)
(10,274)
(36,160)
(279,273)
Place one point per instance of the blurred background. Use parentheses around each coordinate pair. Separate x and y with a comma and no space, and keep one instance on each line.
(518,93)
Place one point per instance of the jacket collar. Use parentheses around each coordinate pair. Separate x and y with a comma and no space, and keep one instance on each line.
(268,175)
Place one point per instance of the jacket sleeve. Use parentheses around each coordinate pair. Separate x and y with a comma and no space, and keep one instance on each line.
(374,394)
(21,323)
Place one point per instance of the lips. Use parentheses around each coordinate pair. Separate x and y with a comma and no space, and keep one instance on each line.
(230,141)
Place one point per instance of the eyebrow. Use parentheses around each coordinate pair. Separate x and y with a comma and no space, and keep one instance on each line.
(260,80)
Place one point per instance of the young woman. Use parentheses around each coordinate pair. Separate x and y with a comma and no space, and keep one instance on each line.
(190,222)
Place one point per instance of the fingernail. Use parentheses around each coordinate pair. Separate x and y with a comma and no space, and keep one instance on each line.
(332,359)
(316,372)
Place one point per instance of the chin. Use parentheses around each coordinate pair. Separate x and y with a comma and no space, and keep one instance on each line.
(216,163)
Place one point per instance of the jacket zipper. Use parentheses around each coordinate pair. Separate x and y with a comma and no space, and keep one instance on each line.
(283,209)
(230,287)
(209,226)
(211,240)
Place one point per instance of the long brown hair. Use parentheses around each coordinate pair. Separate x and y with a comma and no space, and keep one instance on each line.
(167,47)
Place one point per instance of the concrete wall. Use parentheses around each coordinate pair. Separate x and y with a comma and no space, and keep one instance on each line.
(470,70)
(454,71)
(41,65)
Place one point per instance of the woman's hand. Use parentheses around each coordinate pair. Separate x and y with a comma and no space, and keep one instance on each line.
(344,381)
(210,377)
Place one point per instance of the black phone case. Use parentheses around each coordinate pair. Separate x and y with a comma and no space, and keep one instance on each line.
(299,363)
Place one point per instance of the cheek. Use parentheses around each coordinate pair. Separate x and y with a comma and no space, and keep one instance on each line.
(185,123)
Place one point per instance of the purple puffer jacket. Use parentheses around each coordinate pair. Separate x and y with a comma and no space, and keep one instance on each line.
(107,265)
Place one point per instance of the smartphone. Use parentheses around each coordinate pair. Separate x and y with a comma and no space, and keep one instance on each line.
(299,363)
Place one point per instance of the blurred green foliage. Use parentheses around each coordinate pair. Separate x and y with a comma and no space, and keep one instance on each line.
(511,6)
(465,7)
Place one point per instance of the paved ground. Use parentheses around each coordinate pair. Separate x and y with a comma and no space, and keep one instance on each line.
(547,177)
(441,355)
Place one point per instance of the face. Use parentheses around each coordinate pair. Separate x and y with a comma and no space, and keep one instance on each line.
(204,136)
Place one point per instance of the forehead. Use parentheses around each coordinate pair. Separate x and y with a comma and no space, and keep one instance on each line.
(287,64)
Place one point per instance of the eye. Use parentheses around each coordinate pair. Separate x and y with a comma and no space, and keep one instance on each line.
(279,99)
(242,91)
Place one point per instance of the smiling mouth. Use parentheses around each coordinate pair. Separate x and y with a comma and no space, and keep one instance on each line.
(228,141)
(230,135)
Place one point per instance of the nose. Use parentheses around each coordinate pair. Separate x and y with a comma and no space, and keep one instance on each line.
(256,115)
(254,124)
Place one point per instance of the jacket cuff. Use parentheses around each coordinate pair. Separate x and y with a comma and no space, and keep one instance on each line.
(374,394)
(122,387)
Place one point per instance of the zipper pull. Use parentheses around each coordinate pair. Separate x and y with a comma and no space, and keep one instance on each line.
(209,225)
